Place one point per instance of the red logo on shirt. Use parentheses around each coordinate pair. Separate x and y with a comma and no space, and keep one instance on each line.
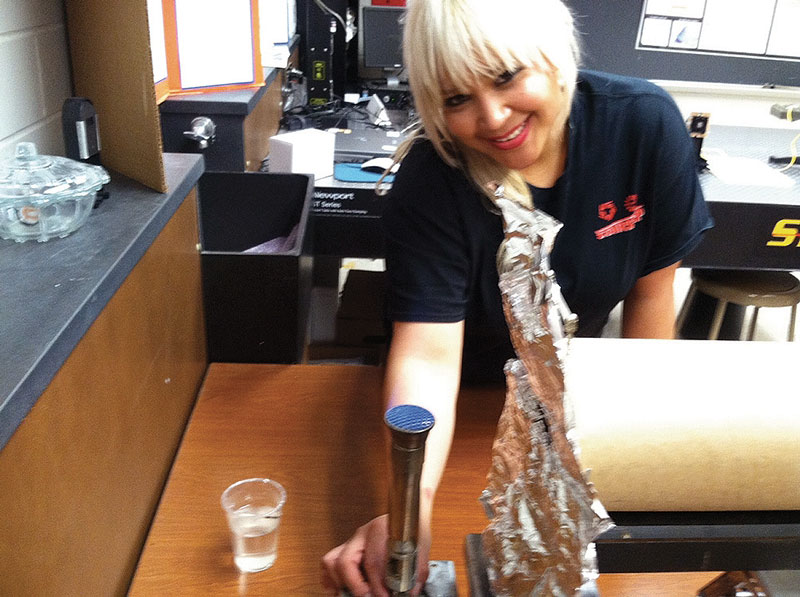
(631,202)
(607,210)
(623,224)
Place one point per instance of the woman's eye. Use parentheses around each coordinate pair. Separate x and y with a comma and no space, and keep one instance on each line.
(455,100)
(506,77)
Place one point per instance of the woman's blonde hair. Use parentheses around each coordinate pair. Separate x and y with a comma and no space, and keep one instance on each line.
(463,41)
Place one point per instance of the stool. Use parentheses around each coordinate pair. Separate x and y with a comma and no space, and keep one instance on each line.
(747,288)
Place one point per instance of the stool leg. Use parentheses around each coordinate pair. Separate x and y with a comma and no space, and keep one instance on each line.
(685,309)
(716,324)
(792,322)
(752,328)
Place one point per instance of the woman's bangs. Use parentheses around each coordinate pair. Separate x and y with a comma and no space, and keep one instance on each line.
(460,68)
(464,63)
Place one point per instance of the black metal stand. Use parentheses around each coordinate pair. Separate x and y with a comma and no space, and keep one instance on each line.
(683,542)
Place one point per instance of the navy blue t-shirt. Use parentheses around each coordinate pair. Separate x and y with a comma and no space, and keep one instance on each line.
(629,198)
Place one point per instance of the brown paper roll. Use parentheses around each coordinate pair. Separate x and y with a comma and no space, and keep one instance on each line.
(668,425)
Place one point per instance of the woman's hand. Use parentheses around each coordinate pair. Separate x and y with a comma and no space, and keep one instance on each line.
(359,564)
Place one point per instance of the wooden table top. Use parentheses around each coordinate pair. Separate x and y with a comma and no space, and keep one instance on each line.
(318,430)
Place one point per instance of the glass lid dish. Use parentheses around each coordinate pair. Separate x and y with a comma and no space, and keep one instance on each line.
(44,196)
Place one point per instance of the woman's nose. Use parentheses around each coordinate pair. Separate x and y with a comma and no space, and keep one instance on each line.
(492,110)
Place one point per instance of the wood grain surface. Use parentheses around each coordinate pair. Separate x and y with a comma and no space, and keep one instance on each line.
(318,430)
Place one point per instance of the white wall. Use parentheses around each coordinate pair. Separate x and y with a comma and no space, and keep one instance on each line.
(34,74)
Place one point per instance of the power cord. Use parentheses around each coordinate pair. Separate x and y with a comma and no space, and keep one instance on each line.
(790,112)
(330,115)
(789,161)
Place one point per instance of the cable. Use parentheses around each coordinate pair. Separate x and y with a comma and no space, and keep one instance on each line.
(790,112)
(330,61)
(323,7)
(793,147)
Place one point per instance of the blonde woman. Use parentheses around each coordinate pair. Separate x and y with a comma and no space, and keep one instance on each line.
(500,98)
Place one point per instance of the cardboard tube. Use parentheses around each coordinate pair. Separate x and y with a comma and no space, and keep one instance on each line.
(694,425)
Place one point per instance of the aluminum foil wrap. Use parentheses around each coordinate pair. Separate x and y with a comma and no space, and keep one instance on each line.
(543,512)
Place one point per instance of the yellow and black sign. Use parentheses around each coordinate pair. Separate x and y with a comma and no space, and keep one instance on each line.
(785,233)
(750,236)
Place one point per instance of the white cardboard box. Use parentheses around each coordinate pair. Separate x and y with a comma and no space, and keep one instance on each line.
(308,151)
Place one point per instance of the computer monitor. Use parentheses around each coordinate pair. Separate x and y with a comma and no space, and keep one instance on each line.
(380,42)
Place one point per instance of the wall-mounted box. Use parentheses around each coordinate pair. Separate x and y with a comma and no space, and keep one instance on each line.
(256,303)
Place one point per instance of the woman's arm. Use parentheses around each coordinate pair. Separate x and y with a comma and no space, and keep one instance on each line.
(423,368)
(649,308)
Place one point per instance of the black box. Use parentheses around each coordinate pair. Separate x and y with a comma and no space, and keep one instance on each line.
(323,56)
(361,319)
(256,304)
(347,220)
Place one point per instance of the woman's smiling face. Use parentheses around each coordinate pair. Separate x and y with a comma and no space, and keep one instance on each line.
(518,119)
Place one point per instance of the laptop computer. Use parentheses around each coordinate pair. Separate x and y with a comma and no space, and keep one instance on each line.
(360,145)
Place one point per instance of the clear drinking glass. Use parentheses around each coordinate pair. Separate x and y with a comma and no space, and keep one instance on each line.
(253,508)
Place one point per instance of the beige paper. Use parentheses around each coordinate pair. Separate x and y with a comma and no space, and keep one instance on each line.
(671,425)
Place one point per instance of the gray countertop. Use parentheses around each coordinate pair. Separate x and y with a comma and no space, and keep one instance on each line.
(50,293)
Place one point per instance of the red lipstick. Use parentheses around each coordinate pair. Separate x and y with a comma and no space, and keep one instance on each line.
(514,142)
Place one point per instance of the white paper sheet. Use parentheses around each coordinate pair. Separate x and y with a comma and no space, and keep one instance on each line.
(656,32)
(158,49)
(737,26)
(745,171)
(687,9)
(785,37)
(215,42)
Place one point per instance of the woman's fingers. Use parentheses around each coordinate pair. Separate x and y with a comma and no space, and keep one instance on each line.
(329,576)
(341,568)
(349,567)
(375,556)
(357,564)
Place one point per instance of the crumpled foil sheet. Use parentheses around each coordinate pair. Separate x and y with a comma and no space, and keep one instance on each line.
(543,512)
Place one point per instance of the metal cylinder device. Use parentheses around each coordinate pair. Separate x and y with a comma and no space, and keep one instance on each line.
(409,426)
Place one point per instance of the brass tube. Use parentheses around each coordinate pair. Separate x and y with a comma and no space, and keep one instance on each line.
(409,427)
